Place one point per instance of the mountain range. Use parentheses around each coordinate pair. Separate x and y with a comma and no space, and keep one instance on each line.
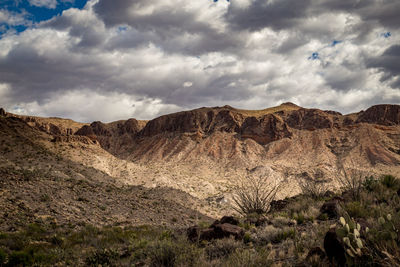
(204,153)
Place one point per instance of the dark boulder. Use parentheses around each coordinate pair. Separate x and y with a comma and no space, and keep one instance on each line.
(226,219)
(227,230)
(334,248)
(2,112)
(218,230)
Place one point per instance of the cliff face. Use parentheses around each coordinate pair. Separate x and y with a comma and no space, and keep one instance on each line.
(226,133)
(381,114)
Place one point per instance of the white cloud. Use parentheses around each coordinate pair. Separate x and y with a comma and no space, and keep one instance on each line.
(12,18)
(102,63)
(87,106)
(51,4)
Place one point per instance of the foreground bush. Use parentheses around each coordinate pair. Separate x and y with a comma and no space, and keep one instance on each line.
(255,194)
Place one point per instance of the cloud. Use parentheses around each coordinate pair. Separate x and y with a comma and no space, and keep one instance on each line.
(44,3)
(83,106)
(119,59)
(388,63)
(12,18)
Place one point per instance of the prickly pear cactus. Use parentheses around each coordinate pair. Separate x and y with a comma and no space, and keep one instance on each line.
(349,233)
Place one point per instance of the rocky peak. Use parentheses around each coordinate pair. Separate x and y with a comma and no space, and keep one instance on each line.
(204,120)
(309,119)
(381,114)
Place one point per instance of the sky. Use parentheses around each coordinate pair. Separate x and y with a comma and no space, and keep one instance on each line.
(110,60)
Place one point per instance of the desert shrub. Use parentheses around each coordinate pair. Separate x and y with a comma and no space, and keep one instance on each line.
(370,183)
(283,235)
(313,187)
(390,181)
(103,257)
(221,248)
(351,181)
(356,210)
(265,234)
(3,257)
(249,257)
(20,258)
(280,221)
(163,253)
(299,217)
(254,195)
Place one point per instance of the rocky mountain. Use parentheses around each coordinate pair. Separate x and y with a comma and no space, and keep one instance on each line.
(206,151)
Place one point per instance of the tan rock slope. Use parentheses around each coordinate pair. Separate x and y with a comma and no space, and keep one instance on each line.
(207,150)
(39,183)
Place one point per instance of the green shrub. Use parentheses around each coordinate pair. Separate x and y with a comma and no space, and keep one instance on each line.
(389,181)
(356,210)
(370,183)
(249,257)
(20,258)
(3,257)
(163,253)
(299,217)
(103,257)
(221,248)
(283,235)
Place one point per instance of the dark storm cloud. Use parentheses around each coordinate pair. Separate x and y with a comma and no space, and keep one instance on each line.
(261,13)
(175,30)
(389,64)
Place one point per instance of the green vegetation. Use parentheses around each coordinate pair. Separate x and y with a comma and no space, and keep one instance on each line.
(368,226)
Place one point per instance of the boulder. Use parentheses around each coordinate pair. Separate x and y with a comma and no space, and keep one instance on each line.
(227,230)
(2,112)
(226,227)
(331,209)
(226,219)
(334,248)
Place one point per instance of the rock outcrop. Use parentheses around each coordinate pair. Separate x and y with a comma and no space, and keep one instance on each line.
(265,130)
(226,227)
(381,114)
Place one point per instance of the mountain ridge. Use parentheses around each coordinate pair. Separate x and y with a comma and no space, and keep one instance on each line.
(206,150)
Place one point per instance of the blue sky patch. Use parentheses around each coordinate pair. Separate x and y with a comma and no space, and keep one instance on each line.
(335,42)
(32,14)
(314,56)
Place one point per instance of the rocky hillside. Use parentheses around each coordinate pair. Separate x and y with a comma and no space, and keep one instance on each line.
(39,184)
(207,150)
